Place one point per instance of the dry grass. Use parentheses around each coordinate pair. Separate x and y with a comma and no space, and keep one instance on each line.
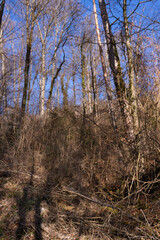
(47,157)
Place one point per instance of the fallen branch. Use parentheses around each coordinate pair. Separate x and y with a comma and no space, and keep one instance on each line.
(72,191)
(89,199)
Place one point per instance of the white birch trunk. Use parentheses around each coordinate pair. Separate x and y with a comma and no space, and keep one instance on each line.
(89,105)
(43,82)
(19,75)
(14,76)
(3,86)
(105,74)
(132,90)
(117,74)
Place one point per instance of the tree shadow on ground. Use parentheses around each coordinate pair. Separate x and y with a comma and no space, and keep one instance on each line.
(23,207)
(38,220)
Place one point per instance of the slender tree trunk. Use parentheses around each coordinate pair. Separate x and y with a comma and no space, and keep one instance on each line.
(132,91)
(58,94)
(14,75)
(83,83)
(3,94)
(2,4)
(43,82)
(114,61)
(3,81)
(93,83)
(89,105)
(64,88)
(53,80)
(19,74)
(27,60)
(29,85)
(26,77)
(74,89)
(73,75)
(105,74)
(43,71)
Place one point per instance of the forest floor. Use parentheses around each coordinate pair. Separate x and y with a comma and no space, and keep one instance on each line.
(33,209)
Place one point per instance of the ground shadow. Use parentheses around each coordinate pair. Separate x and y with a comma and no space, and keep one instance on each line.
(38,220)
(32,201)
(22,210)
(23,207)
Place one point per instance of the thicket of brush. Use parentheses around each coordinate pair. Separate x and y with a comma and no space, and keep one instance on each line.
(63,150)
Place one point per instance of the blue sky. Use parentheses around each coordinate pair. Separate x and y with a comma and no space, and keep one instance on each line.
(151,8)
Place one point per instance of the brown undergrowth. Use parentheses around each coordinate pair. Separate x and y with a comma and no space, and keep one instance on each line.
(61,179)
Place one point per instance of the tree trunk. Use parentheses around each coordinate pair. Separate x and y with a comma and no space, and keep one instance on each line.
(19,74)
(1,11)
(14,75)
(3,94)
(29,85)
(83,83)
(132,91)
(53,80)
(89,104)
(64,88)
(74,89)
(105,74)
(27,60)
(93,83)
(43,82)
(114,61)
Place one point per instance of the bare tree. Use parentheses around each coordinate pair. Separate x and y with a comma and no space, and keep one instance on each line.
(132,91)
(115,66)
(2,5)
(105,74)
(30,23)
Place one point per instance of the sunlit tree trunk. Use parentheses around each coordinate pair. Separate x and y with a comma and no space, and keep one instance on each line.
(2,4)
(29,85)
(53,67)
(42,81)
(83,62)
(14,75)
(89,104)
(93,76)
(105,74)
(20,73)
(54,77)
(64,88)
(74,89)
(114,61)
(132,91)
(43,68)
(3,94)
(29,28)
(73,75)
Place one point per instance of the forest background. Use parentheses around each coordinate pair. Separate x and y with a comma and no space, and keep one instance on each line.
(79,119)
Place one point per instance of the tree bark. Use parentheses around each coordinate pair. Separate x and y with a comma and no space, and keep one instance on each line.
(114,61)
(64,88)
(43,82)
(27,60)
(89,104)
(93,83)
(83,83)
(3,94)
(1,11)
(105,74)
(53,80)
(132,91)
